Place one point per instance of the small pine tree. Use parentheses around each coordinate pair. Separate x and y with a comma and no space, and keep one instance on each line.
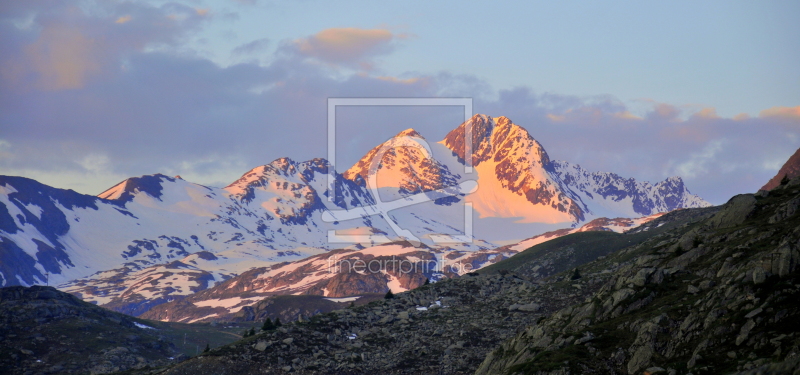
(389,295)
(785,179)
(207,349)
(352,304)
(278,322)
(252,331)
(576,275)
(245,333)
(427,282)
(268,325)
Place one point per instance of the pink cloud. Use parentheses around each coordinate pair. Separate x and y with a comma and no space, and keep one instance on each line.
(785,112)
(707,113)
(63,57)
(347,46)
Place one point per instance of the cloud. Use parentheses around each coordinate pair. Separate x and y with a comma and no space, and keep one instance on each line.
(63,57)
(707,113)
(664,112)
(346,46)
(783,112)
(71,45)
(256,46)
(699,162)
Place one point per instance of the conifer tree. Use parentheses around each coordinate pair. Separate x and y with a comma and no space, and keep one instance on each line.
(268,325)
(207,349)
(389,295)
(278,322)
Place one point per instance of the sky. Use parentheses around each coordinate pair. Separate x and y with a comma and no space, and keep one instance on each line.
(93,92)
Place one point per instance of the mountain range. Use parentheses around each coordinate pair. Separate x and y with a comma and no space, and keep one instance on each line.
(159,237)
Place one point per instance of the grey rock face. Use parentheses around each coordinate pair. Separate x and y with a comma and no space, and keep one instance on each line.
(733,213)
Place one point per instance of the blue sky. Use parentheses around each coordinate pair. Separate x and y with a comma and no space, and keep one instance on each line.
(94,92)
(738,57)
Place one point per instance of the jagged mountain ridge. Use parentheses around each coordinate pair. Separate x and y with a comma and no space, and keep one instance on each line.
(510,160)
(276,212)
(516,176)
(272,214)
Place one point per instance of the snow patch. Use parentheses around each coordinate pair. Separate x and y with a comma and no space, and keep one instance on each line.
(343,299)
(142,326)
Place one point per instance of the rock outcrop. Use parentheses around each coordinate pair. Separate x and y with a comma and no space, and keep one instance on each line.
(790,170)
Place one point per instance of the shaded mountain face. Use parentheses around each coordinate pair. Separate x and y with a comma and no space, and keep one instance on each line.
(790,170)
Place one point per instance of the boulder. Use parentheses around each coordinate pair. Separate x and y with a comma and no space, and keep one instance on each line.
(733,213)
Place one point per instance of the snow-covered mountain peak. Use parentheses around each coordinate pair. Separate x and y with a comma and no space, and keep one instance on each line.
(492,137)
(502,121)
(410,132)
(514,172)
(283,169)
(239,186)
(126,190)
(404,162)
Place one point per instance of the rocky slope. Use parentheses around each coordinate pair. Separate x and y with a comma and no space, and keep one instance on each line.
(45,331)
(790,169)
(721,298)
